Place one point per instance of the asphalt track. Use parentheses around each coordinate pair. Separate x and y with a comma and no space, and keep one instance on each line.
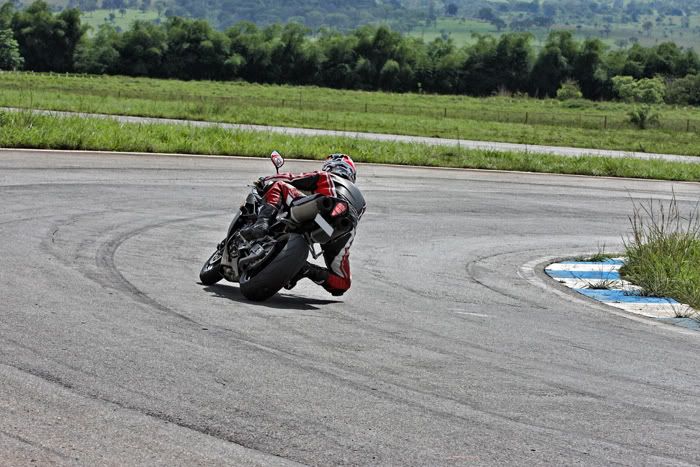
(452,348)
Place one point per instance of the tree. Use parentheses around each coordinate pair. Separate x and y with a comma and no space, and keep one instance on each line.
(336,70)
(388,75)
(513,61)
(142,49)
(684,91)
(7,11)
(99,55)
(444,70)
(589,69)
(193,50)
(254,47)
(451,9)
(491,65)
(294,59)
(648,26)
(47,41)
(10,58)
(486,14)
(554,64)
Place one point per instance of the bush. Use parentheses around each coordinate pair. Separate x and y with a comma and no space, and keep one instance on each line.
(643,117)
(684,91)
(663,252)
(569,90)
(647,91)
(642,91)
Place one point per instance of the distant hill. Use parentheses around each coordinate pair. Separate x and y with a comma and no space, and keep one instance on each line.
(339,14)
(619,23)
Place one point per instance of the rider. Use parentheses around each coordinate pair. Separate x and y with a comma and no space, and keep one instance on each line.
(336,179)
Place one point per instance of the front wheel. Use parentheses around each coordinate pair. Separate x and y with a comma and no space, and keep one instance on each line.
(211,271)
(277,272)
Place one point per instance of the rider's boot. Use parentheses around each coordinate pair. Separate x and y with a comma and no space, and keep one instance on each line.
(262,224)
(317,274)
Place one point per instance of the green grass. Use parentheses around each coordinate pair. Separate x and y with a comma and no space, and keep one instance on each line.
(549,122)
(598,257)
(462,31)
(95,18)
(26,130)
(663,252)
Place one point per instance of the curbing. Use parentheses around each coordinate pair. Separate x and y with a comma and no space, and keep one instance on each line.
(601,281)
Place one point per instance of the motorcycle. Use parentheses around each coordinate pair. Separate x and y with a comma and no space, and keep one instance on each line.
(262,267)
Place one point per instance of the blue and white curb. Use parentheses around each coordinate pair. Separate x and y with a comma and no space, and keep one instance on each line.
(601,281)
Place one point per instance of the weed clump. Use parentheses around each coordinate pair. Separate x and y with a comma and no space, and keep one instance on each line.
(663,251)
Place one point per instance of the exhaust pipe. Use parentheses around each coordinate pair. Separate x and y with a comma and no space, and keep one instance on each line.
(309,207)
(343,225)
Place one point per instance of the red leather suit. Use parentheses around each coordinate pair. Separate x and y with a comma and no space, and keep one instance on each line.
(283,189)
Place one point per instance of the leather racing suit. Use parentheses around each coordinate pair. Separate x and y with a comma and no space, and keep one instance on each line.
(282,189)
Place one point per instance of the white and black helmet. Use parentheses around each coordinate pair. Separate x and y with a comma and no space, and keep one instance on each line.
(341,165)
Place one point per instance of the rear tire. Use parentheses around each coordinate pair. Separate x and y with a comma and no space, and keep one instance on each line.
(278,272)
(210,273)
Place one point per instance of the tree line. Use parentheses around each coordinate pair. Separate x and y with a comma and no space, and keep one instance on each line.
(367,58)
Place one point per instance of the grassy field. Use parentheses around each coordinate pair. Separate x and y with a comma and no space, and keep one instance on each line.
(25,130)
(95,18)
(462,31)
(518,120)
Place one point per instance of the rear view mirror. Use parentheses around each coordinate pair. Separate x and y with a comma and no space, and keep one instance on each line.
(277,159)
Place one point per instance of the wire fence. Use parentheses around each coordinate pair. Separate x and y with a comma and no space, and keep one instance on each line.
(221,104)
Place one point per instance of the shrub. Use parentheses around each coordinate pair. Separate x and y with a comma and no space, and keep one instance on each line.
(663,251)
(569,90)
(643,117)
(643,91)
(647,91)
(684,91)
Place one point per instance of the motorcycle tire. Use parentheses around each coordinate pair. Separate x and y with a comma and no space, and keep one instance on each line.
(277,272)
(210,273)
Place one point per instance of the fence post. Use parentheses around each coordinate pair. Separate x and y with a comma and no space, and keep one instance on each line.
(445,112)
(605,123)
(527,116)
(365,107)
(687,126)
(283,103)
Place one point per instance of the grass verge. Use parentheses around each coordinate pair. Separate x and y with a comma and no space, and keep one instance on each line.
(517,120)
(663,252)
(27,130)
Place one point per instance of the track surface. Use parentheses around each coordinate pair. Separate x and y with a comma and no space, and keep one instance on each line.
(446,350)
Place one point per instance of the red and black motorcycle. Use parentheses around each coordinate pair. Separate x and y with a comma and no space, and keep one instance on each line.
(264,266)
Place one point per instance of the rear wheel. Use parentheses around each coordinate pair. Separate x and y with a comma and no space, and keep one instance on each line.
(210,273)
(263,282)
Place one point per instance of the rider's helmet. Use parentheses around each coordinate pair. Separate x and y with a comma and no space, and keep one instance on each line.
(341,165)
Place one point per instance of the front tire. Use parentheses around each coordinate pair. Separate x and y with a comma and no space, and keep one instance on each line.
(278,272)
(211,271)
